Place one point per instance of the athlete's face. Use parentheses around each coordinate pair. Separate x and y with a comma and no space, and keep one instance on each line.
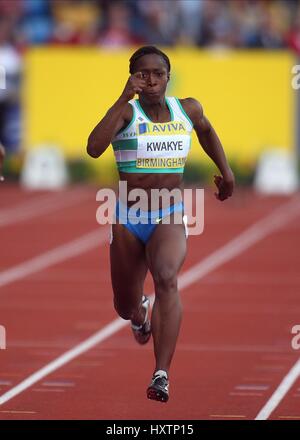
(155,73)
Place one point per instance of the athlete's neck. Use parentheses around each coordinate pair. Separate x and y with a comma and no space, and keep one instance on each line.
(155,110)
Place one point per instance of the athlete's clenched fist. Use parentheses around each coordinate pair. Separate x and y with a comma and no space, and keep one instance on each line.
(135,84)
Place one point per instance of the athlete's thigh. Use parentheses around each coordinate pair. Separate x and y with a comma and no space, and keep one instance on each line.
(166,249)
(128,263)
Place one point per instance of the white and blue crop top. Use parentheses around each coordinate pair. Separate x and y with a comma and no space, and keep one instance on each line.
(154,147)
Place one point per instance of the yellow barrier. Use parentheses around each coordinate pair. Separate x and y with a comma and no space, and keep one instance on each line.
(247,96)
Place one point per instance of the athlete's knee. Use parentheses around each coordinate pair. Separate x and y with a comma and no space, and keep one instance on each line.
(165,278)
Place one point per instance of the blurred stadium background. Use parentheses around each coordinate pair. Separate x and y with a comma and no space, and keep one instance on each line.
(67,61)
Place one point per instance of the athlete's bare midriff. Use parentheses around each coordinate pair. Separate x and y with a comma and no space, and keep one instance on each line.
(151,181)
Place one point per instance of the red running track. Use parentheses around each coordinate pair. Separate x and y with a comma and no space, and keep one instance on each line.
(235,344)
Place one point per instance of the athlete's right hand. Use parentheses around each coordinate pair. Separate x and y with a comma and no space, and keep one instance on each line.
(135,84)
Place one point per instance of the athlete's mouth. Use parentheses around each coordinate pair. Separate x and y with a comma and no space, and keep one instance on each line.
(151,92)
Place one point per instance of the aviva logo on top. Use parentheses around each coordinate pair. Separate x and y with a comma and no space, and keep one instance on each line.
(158,129)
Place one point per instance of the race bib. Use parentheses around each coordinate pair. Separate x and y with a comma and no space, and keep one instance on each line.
(162,145)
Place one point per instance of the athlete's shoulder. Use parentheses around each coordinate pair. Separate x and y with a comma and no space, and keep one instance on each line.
(128,111)
(193,108)
(127,116)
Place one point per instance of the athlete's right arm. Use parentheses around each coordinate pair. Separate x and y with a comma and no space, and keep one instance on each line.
(116,117)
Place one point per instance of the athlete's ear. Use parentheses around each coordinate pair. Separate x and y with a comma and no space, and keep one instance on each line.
(168,77)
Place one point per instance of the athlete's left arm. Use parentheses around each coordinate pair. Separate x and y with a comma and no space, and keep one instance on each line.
(211,144)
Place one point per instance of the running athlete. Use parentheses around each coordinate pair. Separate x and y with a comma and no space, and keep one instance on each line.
(151,140)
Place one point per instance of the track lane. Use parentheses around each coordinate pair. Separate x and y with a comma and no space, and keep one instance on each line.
(228,227)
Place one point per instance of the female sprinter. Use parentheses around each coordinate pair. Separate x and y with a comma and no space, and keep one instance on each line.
(132,126)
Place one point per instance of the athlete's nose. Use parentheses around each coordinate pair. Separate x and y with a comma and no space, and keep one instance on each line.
(151,80)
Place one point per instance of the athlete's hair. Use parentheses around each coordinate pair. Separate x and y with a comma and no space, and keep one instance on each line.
(147,50)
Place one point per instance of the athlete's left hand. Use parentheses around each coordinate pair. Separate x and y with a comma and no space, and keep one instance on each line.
(225,187)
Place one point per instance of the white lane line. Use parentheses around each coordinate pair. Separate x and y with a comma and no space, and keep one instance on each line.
(280,392)
(252,387)
(41,206)
(250,236)
(84,346)
(264,227)
(57,255)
